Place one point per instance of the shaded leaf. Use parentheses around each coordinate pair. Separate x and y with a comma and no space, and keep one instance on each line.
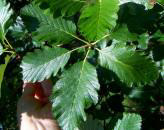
(147,3)
(129,122)
(97,19)
(67,7)
(41,64)
(122,33)
(45,27)
(131,67)
(72,93)
(91,124)
(2,70)
(159,36)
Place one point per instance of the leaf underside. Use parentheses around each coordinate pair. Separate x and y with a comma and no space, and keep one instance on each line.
(130,66)
(41,64)
(72,93)
(5,14)
(129,122)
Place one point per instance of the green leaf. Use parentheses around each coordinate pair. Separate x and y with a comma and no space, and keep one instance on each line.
(67,7)
(2,70)
(159,36)
(130,66)
(41,64)
(5,14)
(161,2)
(47,28)
(97,19)
(123,34)
(143,40)
(1,49)
(73,92)
(129,122)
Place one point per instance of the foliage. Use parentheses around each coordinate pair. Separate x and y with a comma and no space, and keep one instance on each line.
(129,121)
(102,56)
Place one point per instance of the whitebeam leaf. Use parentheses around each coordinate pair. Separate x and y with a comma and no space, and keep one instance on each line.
(129,122)
(130,66)
(41,64)
(72,93)
(97,19)
(47,28)
(5,14)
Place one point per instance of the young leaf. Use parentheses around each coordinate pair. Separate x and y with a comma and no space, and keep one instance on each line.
(41,64)
(129,122)
(73,92)
(131,66)
(48,28)
(5,14)
(1,49)
(2,70)
(96,20)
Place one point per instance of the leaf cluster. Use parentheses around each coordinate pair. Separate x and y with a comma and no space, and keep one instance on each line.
(84,46)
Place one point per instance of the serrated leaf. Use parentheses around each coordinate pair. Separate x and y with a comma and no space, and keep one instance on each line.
(45,27)
(67,7)
(2,70)
(41,64)
(147,3)
(129,122)
(1,49)
(72,93)
(64,8)
(130,66)
(5,14)
(96,20)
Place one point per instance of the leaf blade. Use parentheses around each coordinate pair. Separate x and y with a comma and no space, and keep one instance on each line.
(42,64)
(96,20)
(129,121)
(130,66)
(2,70)
(5,14)
(46,27)
(79,85)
